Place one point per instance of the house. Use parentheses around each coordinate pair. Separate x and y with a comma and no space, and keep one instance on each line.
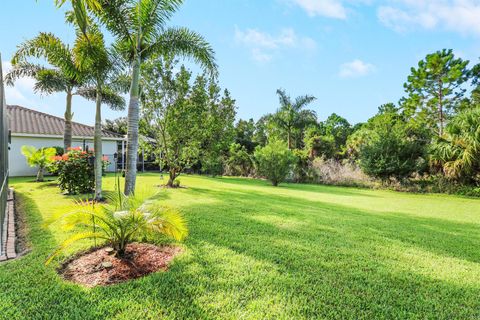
(38,129)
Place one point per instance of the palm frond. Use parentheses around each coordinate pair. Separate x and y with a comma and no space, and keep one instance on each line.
(285,100)
(51,48)
(152,15)
(302,101)
(20,70)
(184,43)
(74,238)
(109,96)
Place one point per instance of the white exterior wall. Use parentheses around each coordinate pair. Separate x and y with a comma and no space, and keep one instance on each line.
(18,164)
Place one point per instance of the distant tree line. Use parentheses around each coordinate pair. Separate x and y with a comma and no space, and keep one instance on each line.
(429,140)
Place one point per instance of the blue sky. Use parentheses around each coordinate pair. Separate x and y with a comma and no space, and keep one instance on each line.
(353,55)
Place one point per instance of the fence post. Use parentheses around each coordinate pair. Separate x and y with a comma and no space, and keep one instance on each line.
(3,159)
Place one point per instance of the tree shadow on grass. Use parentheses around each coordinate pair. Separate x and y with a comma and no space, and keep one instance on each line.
(334,190)
(330,254)
(31,290)
(455,239)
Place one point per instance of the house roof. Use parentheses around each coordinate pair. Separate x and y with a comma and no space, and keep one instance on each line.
(27,121)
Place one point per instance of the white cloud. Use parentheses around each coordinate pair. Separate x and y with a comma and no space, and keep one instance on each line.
(263,45)
(355,68)
(22,88)
(452,15)
(325,8)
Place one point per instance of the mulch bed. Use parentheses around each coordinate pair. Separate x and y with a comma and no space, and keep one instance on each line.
(100,267)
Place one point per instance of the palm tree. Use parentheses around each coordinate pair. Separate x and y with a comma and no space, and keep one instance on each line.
(291,116)
(140,29)
(458,151)
(64,76)
(102,76)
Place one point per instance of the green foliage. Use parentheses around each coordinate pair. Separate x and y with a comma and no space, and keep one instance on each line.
(239,161)
(458,151)
(119,125)
(339,129)
(291,118)
(274,161)
(394,149)
(119,222)
(190,122)
(435,87)
(75,171)
(244,134)
(318,144)
(40,158)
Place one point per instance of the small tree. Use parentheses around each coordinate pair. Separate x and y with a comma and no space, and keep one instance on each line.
(239,162)
(393,151)
(39,158)
(274,161)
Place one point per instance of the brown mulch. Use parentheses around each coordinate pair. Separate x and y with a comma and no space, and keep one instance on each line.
(100,266)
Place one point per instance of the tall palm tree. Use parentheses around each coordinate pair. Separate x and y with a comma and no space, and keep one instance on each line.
(140,29)
(292,116)
(102,84)
(64,75)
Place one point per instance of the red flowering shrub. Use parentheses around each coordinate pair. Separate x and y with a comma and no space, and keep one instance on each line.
(75,170)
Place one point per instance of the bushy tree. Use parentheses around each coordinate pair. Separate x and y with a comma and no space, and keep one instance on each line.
(118,125)
(338,128)
(244,134)
(40,158)
(393,149)
(190,122)
(274,161)
(239,161)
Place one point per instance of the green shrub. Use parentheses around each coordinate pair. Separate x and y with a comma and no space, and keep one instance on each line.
(75,171)
(239,162)
(391,155)
(274,161)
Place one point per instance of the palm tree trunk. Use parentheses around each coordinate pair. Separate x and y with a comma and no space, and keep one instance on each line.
(97,142)
(67,134)
(289,137)
(132,135)
(40,174)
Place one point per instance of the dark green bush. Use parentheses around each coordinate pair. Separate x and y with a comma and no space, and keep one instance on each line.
(75,171)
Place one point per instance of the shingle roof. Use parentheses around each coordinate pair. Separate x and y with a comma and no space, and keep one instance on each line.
(28,121)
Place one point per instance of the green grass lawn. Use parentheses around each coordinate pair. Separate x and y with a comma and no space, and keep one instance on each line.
(259,252)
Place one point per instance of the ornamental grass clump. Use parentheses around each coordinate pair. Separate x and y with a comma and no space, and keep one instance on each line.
(120,221)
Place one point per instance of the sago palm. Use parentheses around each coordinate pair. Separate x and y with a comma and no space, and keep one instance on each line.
(64,74)
(122,220)
(292,116)
(140,31)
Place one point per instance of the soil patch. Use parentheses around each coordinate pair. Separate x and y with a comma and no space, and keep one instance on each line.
(100,267)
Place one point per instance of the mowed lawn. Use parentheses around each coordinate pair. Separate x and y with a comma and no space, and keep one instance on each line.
(260,252)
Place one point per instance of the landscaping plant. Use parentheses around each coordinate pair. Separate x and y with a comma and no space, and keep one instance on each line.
(274,161)
(76,170)
(40,158)
(120,221)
